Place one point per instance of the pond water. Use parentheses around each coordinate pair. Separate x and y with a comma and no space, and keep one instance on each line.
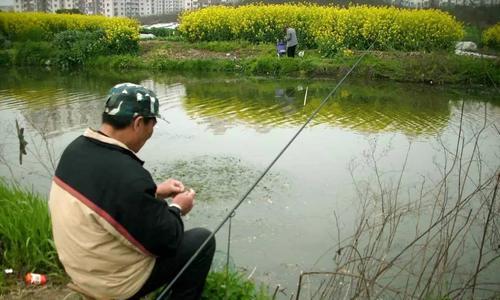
(224,131)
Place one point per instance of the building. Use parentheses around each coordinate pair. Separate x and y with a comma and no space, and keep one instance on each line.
(29,5)
(146,8)
(440,3)
(92,7)
(110,8)
(120,8)
(6,7)
(469,2)
(189,4)
(134,8)
(160,7)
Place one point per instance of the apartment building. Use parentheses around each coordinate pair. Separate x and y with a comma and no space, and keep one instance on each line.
(188,4)
(54,5)
(7,7)
(29,5)
(85,6)
(470,2)
(160,7)
(146,8)
(438,3)
(110,8)
(92,7)
(120,8)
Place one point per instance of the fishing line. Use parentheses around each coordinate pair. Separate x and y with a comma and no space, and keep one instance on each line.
(231,213)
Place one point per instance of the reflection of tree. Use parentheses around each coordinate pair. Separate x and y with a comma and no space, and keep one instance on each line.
(361,107)
(35,80)
(65,115)
(56,102)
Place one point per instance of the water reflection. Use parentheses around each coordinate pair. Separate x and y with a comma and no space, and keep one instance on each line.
(60,102)
(65,116)
(287,97)
(361,108)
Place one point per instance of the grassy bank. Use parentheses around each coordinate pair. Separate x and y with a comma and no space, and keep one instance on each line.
(260,60)
(26,245)
(244,58)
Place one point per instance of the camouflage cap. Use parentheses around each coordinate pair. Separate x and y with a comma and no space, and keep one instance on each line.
(130,100)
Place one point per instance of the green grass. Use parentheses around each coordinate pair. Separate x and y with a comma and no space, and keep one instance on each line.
(25,233)
(118,62)
(222,46)
(232,286)
(222,285)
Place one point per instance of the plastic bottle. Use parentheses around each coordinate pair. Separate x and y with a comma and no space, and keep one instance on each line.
(35,279)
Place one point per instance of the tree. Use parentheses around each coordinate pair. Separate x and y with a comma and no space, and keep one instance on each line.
(70,11)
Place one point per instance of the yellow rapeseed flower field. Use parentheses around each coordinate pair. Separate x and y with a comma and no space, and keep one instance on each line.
(43,26)
(328,27)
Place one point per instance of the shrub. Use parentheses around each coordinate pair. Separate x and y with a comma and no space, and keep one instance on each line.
(327,27)
(76,47)
(5,58)
(4,42)
(68,11)
(491,36)
(33,53)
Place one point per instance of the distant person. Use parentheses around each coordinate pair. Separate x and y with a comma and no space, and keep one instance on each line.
(115,235)
(291,41)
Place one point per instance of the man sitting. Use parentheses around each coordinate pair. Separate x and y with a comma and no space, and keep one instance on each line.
(114,233)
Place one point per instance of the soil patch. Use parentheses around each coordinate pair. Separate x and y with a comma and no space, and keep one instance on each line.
(43,293)
(178,50)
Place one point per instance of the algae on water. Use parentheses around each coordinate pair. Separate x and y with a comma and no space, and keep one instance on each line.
(220,178)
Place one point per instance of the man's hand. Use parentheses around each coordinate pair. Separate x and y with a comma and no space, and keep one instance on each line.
(169,188)
(185,200)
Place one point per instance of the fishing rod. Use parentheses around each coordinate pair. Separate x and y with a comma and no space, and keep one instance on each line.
(232,212)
